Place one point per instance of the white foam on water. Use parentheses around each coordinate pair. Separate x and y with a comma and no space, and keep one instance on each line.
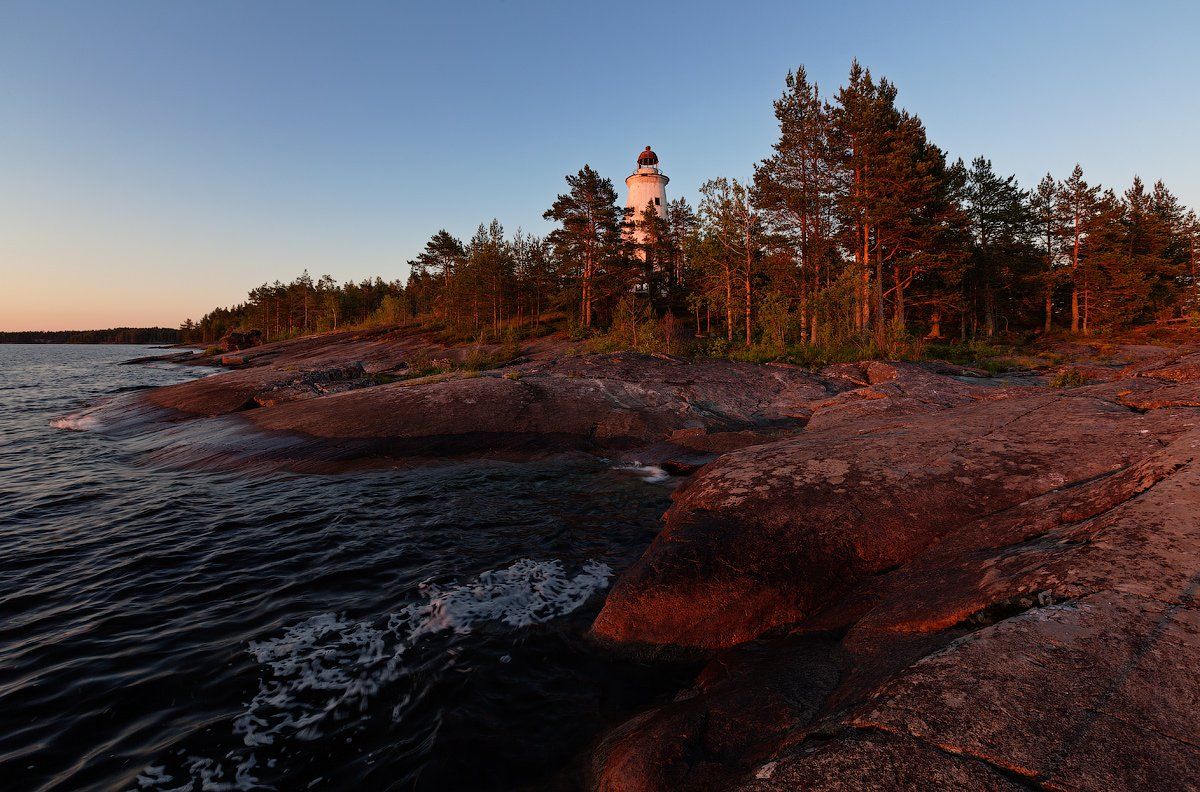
(82,421)
(528,592)
(328,666)
(652,474)
(153,775)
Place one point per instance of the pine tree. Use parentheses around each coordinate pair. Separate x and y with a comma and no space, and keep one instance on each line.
(591,233)
(535,272)
(861,119)
(654,252)
(440,261)
(681,224)
(1116,287)
(490,271)
(1080,203)
(795,188)
(1172,248)
(1190,230)
(1045,206)
(999,218)
(892,208)
(728,217)
(914,214)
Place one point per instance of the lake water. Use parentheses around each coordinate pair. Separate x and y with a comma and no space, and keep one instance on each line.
(167,623)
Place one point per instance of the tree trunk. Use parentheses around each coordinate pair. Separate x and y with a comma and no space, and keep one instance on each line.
(728,304)
(989,309)
(748,334)
(864,298)
(879,284)
(1074,283)
(1087,294)
(584,287)
(1195,285)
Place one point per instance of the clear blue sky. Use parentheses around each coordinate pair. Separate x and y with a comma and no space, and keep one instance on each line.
(160,158)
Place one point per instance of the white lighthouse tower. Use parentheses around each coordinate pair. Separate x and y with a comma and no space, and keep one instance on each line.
(647,185)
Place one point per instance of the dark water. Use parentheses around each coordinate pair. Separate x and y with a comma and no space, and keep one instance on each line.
(173,626)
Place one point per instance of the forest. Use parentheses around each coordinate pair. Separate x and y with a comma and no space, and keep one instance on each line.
(115,335)
(856,228)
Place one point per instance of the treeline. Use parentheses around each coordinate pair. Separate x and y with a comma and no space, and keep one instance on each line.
(115,335)
(856,226)
(284,310)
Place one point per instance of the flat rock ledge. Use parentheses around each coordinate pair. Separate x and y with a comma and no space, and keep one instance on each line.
(352,398)
(685,412)
(994,595)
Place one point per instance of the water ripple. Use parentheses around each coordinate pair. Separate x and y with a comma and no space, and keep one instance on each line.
(162,616)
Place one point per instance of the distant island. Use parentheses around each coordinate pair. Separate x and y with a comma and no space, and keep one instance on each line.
(113,335)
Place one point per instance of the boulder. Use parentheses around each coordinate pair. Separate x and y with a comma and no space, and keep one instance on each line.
(766,535)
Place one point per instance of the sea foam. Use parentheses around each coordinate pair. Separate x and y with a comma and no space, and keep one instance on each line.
(329,666)
(652,474)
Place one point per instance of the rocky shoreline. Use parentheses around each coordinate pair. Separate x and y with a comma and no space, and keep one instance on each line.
(897,574)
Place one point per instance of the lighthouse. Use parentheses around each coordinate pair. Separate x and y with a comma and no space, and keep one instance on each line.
(647,185)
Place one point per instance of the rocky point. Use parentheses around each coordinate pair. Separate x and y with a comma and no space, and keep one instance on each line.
(893,574)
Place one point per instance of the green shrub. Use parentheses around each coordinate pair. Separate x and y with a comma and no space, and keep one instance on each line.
(607,342)
(510,349)
(1068,378)
(477,360)
(759,353)
(889,345)
(977,353)
(390,312)
(634,328)
(716,346)
(420,365)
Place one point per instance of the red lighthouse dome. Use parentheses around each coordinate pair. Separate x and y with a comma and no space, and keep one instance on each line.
(647,157)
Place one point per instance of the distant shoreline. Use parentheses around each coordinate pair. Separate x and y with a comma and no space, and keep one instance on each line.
(139,336)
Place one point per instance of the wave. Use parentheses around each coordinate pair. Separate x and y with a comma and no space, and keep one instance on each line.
(328,667)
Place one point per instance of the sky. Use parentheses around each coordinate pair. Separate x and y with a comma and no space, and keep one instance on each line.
(158,159)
